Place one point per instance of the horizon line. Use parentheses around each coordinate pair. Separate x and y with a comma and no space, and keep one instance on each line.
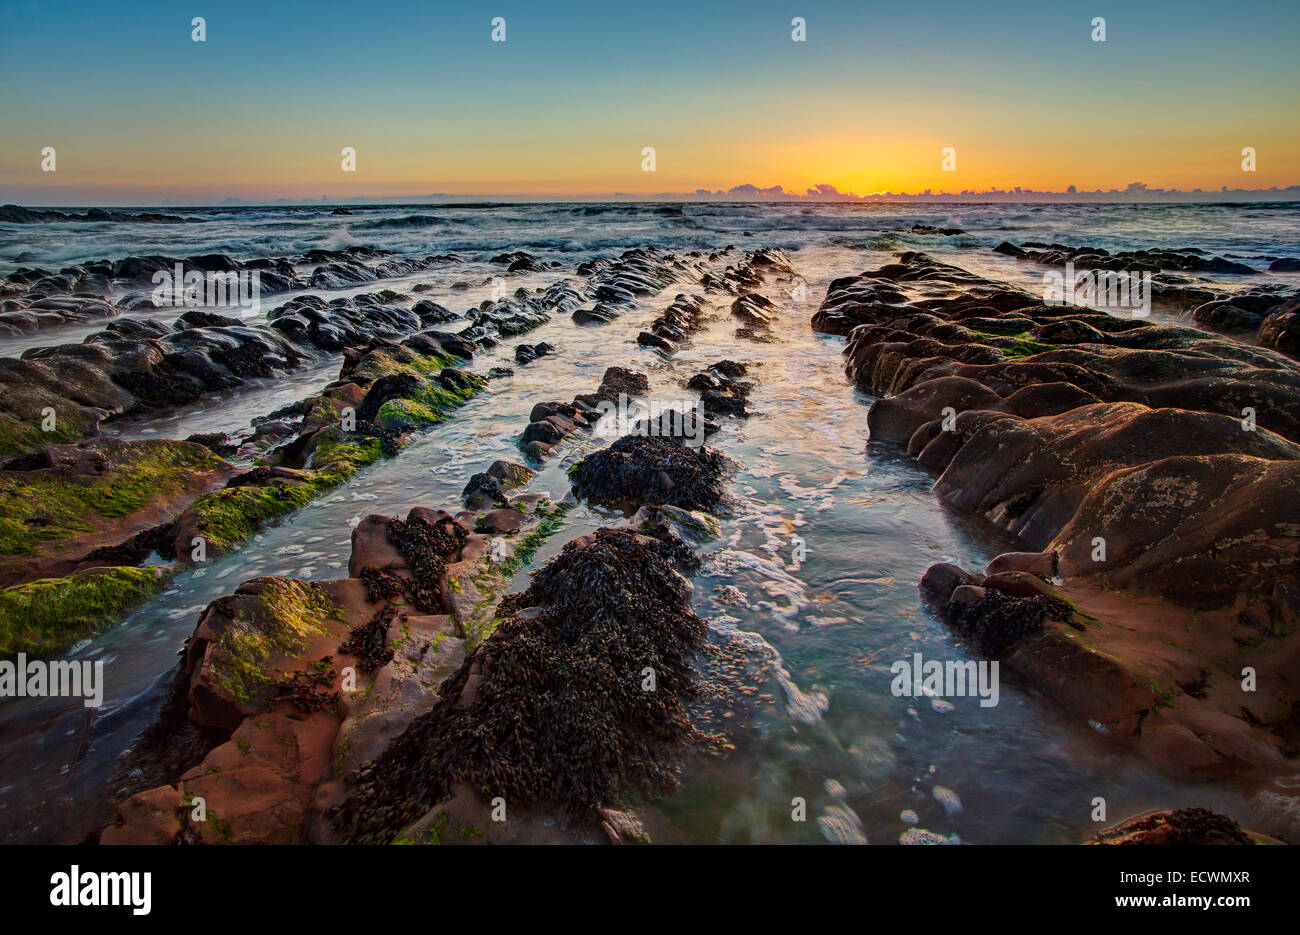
(739,194)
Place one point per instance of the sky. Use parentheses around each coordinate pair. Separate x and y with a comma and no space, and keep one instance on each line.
(139,113)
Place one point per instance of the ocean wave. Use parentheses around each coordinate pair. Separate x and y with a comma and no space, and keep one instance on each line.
(410,221)
(569,229)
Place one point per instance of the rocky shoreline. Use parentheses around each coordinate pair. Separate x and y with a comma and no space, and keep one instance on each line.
(415,701)
(418,705)
(1153,471)
(1266,315)
(70,553)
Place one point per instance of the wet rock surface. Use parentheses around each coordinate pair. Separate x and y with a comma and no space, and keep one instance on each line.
(722,391)
(1127,455)
(288,686)
(1183,827)
(551,710)
(1050,451)
(135,366)
(660,469)
(1183,259)
(551,422)
(107,506)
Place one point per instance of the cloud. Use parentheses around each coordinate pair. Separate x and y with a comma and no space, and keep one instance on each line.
(822,193)
(1134,191)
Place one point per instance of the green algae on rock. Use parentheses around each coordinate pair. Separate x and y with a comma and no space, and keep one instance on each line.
(224,518)
(51,614)
(21,434)
(71,489)
(429,402)
(527,548)
(70,492)
(244,642)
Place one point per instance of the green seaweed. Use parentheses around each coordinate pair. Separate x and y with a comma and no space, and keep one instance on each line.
(399,359)
(20,436)
(1013,345)
(228,516)
(529,545)
(406,413)
(1026,348)
(42,505)
(51,614)
(286,615)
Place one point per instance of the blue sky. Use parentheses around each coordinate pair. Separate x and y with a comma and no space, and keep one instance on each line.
(567,103)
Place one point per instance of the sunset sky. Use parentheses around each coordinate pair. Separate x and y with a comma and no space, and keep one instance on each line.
(138,113)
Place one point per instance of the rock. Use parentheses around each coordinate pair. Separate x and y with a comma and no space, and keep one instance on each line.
(652,470)
(597,315)
(1092,258)
(1280,330)
(431,313)
(896,418)
(622,827)
(543,431)
(721,393)
(568,632)
(680,320)
(1118,452)
(1042,564)
(543,411)
(1184,826)
(222,443)
(96,503)
(503,520)
(510,474)
(942,579)
(1234,516)
(1031,476)
(648,339)
(149,817)
(1226,317)
(388,387)
(690,525)
(1018,584)
(853,301)
(620,380)
(202,319)
(482,490)
(260,786)
(537,451)
(247,642)
(526,353)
